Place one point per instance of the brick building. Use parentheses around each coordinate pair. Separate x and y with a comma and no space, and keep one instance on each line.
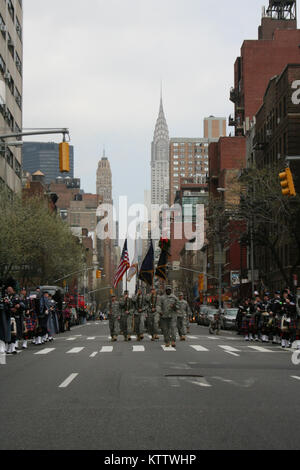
(260,60)
(274,137)
(226,158)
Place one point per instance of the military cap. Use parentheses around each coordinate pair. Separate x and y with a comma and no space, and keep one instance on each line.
(180,294)
(169,288)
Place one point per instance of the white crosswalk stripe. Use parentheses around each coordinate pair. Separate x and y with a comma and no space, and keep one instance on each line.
(107,349)
(91,338)
(168,349)
(230,350)
(45,351)
(199,348)
(75,350)
(260,349)
(71,339)
(138,348)
(94,354)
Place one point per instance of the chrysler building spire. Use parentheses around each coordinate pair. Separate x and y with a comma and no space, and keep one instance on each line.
(160,159)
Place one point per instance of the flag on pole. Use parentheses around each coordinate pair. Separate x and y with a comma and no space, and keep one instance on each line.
(161,270)
(134,266)
(123,266)
(147,268)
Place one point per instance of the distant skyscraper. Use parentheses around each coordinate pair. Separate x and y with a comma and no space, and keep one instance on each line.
(160,160)
(44,156)
(104,180)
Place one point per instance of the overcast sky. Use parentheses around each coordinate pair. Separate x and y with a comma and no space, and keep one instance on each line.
(96,67)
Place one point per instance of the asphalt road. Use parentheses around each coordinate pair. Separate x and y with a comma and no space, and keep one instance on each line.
(84,392)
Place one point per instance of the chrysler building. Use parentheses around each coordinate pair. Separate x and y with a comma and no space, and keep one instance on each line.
(160,160)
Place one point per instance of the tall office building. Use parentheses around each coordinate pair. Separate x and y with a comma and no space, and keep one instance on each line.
(214,127)
(44,156)
(189,156)
(104,180)
(11,89)
(160,160)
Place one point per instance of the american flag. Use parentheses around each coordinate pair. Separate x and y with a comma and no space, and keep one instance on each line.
(123,266)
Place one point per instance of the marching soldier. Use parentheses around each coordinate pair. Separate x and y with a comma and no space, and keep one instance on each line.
(126,309)
(183,317)
(153,313)
(113,312)
(140,306)
(169,305)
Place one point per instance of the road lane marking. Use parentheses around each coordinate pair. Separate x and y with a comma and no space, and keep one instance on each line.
(138,348)
(193,337)
(92,337)
(199,348)
(45,351)
(107,349)
(67,382)
(260,349)
(201,383)
(230,350)
(94,354)
(75,350)
(168,349)
(71,339)
(295,377)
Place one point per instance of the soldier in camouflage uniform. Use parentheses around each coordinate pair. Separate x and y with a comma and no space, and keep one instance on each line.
(126,309)
(113,312)
(153,314)
(140,307)
(169,305)
(183,317)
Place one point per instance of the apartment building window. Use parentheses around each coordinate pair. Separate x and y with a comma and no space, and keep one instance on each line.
(11,9)
(10,45)
(18,169)
(2,65)
(19,28)
(18,97)
(10,157)
(19,64)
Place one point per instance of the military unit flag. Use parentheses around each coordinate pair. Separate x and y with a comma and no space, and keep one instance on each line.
(123,266)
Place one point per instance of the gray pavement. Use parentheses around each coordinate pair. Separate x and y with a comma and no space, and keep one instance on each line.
(84,392)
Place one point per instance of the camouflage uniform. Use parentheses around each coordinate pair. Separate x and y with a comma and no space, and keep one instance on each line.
(140,307)
(169,305)
(127,309)
(113,312)
(183,317)
(153,302)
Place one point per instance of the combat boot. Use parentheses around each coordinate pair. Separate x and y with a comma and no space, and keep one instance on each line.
(153,338)
(156,337)
(182,338)
(167,345)
(173,344)
(129,338)
(141,337)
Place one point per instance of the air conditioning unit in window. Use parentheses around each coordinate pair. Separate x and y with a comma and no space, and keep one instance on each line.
(3,28)
(7,76)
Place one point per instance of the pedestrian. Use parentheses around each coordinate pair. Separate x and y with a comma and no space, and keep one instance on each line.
(153,314)
(67,318)
(183,317)
(140,307)
(113,312)
(5,319)
(126,309)
(43,319)
(169,305)
(288,322)
(246,311)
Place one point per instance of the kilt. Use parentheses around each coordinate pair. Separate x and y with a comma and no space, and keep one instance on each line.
(30,323)
(248,324)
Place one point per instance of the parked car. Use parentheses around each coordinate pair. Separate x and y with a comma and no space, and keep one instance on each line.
(229,319)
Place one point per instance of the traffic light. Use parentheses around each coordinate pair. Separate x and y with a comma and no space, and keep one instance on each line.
(64,157)
(98,274)
(201,283)
(287,183)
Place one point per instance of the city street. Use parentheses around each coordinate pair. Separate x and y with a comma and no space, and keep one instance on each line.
(84,392)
